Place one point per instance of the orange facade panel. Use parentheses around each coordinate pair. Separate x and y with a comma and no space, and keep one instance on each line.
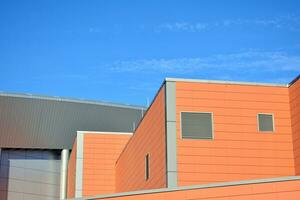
(295,121)
(100,152)
(287,190)
(72,172)
(149,138)
(238,151)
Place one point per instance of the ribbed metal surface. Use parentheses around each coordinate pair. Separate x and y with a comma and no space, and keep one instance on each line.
(29,174)
(51,123)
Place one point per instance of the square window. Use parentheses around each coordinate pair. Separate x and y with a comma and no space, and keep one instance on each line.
(196,125)
(265,122)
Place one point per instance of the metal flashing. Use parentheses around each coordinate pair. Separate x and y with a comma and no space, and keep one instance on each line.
(194,187)
(225,82)
(105,133)
(171,139)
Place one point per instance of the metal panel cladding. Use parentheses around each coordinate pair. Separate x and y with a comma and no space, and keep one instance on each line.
(28,121)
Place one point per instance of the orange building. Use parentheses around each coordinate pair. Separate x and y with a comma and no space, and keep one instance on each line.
(198,139)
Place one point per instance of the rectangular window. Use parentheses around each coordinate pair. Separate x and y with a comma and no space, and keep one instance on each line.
(196,125)
(147,172)
(265,122)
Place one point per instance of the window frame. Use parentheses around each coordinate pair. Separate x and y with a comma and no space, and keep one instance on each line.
(147,166)
(212,126)
(273,122)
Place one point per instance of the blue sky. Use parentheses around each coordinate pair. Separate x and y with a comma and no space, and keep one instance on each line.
(120,51)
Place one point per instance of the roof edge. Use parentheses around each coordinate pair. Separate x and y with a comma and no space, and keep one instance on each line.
(194,187)
(294,80)
(71,100)
(144,115)
(225,82)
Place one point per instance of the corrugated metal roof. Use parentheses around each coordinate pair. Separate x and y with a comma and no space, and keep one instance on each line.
(29,121)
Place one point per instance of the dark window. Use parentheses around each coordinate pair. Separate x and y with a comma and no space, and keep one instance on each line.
(196,125)
(265,122)
(147,167)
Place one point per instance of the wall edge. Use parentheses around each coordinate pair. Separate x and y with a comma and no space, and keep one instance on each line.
(171,135)
(79,165)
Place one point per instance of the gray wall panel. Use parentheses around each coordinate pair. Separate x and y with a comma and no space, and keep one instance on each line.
(171,139)
(29,174)
(14,196)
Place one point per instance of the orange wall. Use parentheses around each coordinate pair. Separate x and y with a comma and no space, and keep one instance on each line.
(149,137)
(100,154)
(287,190)
(72,172)
(295,115)
(238,151)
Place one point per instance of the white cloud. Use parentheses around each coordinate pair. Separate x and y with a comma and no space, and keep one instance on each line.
(288,22)
(182,26)
(242,61)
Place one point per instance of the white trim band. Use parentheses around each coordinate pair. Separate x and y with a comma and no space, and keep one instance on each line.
(105,133)
(225,82)
(195,187)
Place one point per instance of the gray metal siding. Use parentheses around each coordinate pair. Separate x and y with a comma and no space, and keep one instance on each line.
(29,174)
(52,124)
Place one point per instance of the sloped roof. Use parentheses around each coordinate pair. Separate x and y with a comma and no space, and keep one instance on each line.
(31,121)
